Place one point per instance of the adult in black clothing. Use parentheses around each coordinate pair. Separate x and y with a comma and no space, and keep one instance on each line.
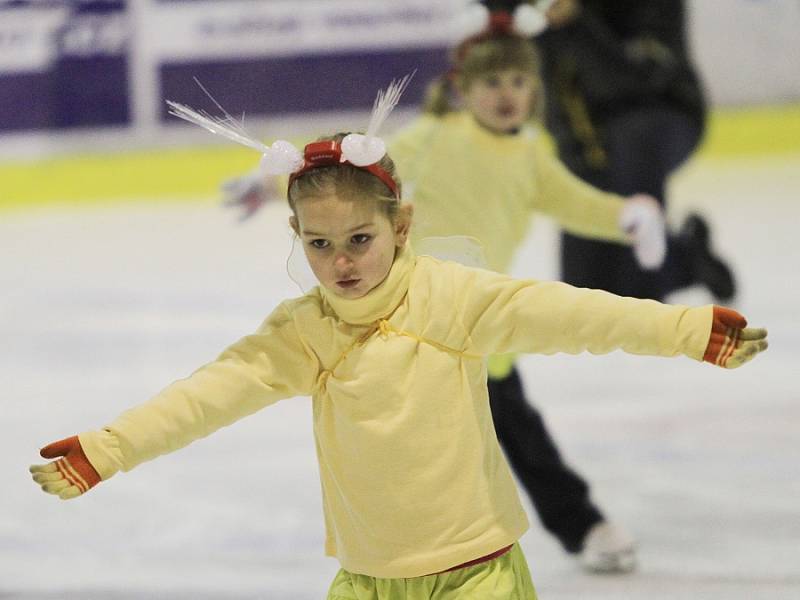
(625,107)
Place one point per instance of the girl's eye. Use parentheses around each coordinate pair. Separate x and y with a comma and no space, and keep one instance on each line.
(518,82)
(319,244)
(492,82)
(360,238)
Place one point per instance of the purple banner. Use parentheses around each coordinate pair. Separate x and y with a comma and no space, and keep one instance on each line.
(64,65)
(300,84)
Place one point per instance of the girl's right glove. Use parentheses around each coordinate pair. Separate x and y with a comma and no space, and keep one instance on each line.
(732,343)
(68,477)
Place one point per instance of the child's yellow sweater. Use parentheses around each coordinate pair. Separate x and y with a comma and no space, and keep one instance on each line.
(465,180)
(413,479)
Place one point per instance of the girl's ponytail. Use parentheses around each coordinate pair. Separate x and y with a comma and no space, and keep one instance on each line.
(438,96)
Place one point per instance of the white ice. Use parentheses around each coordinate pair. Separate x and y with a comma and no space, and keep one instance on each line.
(101,307)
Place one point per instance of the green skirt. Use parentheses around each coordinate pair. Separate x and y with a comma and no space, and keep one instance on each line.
(503,578)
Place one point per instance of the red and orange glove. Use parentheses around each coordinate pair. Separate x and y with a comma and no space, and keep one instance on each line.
(732,342)
(68,477)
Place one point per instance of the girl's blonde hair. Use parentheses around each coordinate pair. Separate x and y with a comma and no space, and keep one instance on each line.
(474,59)
(347,181)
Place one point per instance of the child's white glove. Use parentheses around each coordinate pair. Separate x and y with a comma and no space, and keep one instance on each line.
(249,191)
(643,219)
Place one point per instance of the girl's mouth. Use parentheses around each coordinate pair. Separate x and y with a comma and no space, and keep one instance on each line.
(348,283)
(506,111)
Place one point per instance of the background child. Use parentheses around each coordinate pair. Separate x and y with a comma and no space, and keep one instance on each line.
(418,500)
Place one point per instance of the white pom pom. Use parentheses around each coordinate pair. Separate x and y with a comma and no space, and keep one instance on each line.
(281,158)
(362,150)
(529,21)
(472,20)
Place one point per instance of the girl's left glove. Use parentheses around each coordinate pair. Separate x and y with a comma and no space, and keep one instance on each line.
(732,343)
(248,192)
(68,477)
(643,220)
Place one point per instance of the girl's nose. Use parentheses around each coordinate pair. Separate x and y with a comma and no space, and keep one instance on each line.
(507,91)
(342,260)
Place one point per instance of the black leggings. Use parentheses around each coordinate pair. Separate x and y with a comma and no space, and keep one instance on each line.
(559,495)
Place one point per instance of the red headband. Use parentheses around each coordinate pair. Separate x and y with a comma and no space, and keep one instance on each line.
(501,23)
(327,154)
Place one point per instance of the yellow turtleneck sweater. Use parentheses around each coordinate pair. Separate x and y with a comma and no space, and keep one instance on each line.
(413,478)
(465,180)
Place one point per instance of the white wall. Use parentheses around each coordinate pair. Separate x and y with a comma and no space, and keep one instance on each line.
(748,51)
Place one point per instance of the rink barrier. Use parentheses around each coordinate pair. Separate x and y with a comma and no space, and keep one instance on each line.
(194,174)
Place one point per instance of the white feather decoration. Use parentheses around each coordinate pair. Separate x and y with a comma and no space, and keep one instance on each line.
(282,158)
(227,127)
(363,150)
(385,102)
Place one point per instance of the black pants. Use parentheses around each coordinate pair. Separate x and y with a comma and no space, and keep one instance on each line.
(643,147)
(560,496)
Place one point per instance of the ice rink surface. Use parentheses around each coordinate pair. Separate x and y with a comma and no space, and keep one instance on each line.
(101,307)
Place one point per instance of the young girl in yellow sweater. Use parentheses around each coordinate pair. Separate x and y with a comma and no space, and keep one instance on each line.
(474,165)
(418,499)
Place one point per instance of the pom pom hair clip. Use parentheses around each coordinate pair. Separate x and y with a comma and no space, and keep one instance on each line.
(283,158)
(526,20)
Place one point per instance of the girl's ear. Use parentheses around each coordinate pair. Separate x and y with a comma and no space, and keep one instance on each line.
(459,92)
(402,224)
(294,224)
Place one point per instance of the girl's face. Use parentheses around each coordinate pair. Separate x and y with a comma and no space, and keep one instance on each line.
(501,101)
(350,244)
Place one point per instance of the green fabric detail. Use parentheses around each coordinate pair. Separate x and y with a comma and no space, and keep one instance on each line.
(504,578)
(500,365)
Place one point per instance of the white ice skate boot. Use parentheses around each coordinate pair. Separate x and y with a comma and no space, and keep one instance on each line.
(608,548)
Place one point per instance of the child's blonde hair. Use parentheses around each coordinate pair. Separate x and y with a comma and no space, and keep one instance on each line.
(474,59)
(348,181)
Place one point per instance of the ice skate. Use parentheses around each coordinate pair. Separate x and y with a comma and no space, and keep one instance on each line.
(708,268)
(608,548)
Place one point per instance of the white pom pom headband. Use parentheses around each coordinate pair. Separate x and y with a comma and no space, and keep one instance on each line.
(477,22)
(283,158)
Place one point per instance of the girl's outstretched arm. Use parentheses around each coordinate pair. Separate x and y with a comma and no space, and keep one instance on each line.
(262,368)
(587,211)
(576,205)
(502,314)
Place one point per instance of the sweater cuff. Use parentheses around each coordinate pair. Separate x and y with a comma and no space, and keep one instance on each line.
(696,328)
(102,451)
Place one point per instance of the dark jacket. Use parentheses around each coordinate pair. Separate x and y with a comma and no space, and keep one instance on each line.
(618,55)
